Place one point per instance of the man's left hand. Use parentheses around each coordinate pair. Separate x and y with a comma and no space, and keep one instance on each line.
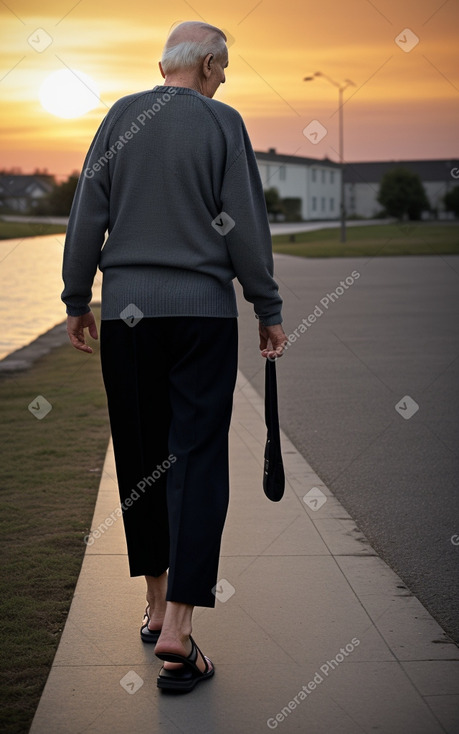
(75,329)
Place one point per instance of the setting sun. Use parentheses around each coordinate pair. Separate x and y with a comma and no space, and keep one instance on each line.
(403,104)
(69,93)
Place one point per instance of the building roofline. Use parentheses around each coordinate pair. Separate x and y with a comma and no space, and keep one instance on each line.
(452,159)
(433,166)
(433,169)
(273,157)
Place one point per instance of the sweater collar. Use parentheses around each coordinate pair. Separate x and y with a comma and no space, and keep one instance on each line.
(176,90)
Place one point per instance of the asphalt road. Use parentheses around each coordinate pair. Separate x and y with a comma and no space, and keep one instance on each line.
(389,338)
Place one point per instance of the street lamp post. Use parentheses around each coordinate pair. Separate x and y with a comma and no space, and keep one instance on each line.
(341,88)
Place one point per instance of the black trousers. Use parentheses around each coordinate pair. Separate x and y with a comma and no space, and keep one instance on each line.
(170,384)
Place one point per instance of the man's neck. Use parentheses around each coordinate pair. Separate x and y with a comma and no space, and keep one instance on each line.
(187,81)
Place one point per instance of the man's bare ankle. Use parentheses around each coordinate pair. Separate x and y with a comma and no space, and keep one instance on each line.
(175,634)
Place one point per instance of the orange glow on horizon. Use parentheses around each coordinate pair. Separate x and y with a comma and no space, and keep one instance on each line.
(404,105)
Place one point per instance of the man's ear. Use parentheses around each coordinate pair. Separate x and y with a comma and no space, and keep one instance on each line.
(161,70)
(207,65)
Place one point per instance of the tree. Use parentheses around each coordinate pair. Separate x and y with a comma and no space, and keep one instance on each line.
(59,201)
(273,202)
(292,209)
(451,200)
(402,194)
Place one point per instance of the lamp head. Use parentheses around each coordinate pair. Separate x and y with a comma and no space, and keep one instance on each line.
(311,77)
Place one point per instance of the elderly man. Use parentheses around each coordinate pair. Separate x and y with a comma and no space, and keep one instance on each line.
(172,176)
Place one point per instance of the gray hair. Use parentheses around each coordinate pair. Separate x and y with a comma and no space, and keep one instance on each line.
(188,54)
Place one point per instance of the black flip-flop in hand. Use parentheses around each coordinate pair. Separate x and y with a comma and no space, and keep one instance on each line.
(273,472)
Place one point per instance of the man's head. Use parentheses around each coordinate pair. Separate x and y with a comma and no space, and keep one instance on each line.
(195,55)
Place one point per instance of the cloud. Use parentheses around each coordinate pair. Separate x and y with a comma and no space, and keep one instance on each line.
(274,47)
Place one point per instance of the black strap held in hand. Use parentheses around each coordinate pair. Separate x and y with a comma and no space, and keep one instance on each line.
(273,473)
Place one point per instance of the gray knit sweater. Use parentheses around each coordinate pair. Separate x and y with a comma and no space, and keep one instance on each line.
(171,175)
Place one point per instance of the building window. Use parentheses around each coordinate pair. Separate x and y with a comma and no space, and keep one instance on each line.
(313,175)
(267,176)
(323,175)
(332,204)
(263,173)
(282,173)
(323,203)
(332,177)
(314,203)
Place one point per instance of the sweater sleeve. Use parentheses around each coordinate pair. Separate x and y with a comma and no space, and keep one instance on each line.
(87,225)
(249,241)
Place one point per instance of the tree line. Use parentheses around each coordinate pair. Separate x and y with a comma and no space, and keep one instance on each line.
(401,195)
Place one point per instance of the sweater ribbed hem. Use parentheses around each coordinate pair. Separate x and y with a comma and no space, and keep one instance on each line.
(160,291)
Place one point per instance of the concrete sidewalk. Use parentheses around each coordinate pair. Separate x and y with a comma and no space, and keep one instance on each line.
(312,632)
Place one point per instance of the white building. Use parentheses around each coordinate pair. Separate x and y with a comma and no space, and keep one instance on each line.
(316,182)
(362,182)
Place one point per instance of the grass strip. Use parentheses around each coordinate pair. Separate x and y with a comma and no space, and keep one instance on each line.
(50,475)
(373,241)
(18,230)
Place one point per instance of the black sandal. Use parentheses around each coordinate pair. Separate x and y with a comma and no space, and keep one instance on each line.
(183,679)
(147,635)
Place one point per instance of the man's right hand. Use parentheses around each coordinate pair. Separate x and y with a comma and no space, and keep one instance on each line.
(272,340)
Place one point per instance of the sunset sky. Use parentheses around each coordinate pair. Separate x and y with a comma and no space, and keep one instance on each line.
(405,104)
